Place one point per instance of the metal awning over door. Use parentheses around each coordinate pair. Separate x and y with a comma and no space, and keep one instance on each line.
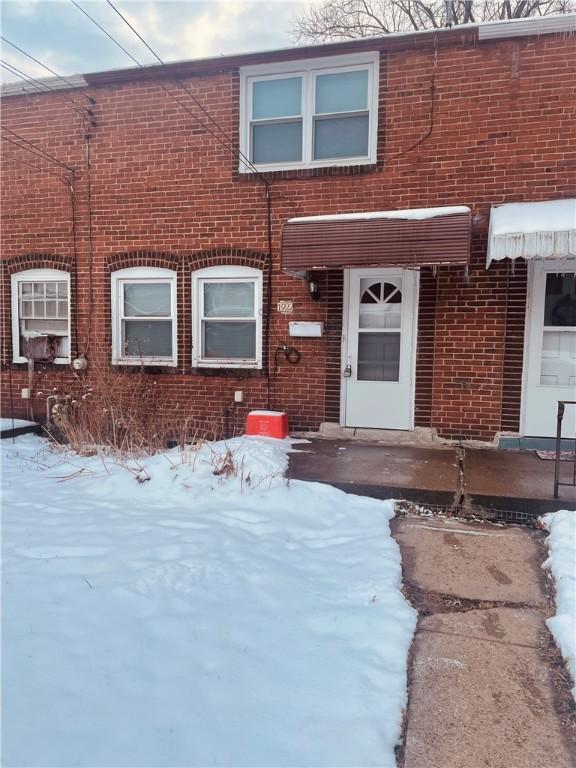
(409,238)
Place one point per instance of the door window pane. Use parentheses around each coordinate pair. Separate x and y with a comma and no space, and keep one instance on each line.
(228,299)
(226,340)
(147,339)
(378,356)
(558,367)
(340,137)
(146,299)
(560,301)
(277,98)
(380,304)
(277,142)
(342,92)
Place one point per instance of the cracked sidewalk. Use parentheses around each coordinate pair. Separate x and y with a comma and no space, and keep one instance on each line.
(487,686)
(455,477)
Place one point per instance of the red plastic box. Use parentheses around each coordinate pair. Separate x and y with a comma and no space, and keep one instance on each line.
(267,424)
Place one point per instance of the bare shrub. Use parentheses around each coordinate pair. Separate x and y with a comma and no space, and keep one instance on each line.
(123,413)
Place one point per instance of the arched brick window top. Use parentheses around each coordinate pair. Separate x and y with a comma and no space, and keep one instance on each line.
(227,257)
(37,261)
(134,259)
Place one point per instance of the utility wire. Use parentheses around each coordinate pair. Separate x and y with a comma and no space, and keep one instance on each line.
(31,165)
(39,149)
(138,35)
(40,63)
(198,103)
(100,27)
(46,88)
(32,152)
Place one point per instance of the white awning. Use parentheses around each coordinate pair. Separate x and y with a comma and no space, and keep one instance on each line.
(532,231)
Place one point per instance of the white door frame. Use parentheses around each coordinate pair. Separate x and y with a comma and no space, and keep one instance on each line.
(344,346)
(559,265)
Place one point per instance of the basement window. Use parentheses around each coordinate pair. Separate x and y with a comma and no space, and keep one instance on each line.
(41,316)
(144,325)
(308,114)
(227,317)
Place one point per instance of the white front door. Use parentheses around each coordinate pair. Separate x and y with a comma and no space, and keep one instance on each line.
(378,352)
(551,348)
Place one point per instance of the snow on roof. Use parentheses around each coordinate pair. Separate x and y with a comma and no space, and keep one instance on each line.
(414,214)
(533,230)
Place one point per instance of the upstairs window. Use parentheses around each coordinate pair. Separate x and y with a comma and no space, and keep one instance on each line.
(41,316)
(227,317)
(144,316)
(310,114)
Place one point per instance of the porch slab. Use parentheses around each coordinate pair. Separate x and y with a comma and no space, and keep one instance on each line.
(516,475)
(428,475)
(443,475)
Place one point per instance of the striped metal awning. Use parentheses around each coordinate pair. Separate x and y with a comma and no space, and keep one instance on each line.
(409,238)
(545,230)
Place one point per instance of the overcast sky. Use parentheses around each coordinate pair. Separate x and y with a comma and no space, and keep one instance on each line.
(58,34)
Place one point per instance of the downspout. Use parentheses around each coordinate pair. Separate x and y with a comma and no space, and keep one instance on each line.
(269,297)
(87,138)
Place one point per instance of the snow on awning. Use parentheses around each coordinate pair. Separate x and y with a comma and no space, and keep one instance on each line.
(413,237)
(544,230)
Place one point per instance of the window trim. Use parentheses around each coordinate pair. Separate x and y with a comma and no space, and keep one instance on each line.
(142,275)
(37,275)
(224,274)
(309,69)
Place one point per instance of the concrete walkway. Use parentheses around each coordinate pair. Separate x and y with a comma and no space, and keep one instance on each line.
(487,686)
(442,475)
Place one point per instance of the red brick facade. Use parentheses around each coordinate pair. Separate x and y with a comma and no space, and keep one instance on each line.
(461,122)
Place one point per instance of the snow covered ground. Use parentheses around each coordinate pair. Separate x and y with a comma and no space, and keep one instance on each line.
(562,563)
(190,619)
(15,424)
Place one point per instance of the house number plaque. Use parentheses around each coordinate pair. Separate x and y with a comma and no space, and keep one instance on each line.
(285,307)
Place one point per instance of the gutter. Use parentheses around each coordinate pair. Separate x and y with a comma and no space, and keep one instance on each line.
(393,42)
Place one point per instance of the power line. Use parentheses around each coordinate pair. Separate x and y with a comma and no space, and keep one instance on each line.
(32,152)
(48,156)
(100,27)
(31,165)
(230,147)
(138,35)
(44,66)
(67,103)
(193,97)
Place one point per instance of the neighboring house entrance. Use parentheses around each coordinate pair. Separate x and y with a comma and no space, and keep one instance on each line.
(378,350)
(550,348)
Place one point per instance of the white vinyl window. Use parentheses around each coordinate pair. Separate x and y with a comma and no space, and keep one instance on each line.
(227,317)
(144,327)
(310,113)
(41,316)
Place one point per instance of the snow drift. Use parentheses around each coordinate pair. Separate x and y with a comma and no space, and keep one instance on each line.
(562,563)
(162,615)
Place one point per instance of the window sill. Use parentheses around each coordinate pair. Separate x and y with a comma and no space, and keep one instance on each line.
(228,364)
(146,363)
(308,172)
(56,361)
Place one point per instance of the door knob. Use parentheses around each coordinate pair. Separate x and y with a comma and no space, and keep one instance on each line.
(347,372)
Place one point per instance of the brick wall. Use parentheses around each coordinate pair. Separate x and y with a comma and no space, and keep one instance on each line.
(162,190)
